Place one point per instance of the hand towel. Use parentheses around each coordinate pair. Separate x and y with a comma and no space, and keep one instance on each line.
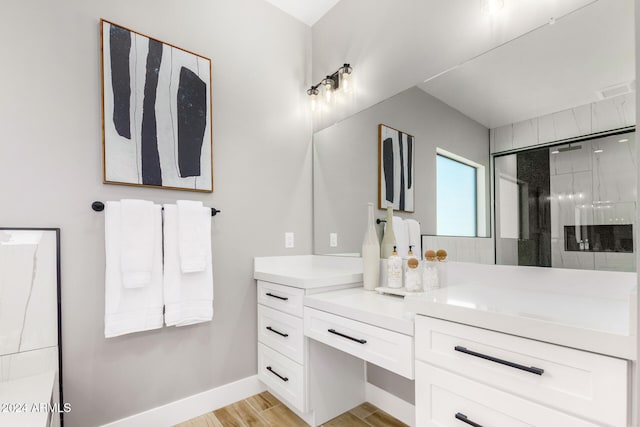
(136,242)
(193,239)
(415,237)
(130,310)
(188,296)
(401,232)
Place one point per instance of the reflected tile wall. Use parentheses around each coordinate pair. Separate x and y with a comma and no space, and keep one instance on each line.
(464,249)
(27,363)
(614,170)
(600,116)
(613,113)
(565,124)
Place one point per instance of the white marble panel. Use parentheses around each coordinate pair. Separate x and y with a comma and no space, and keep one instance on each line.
(503,138)
(613,113)
(569,259)
(614,261)
(614,170)
(614,213)
(525,133)
(28,291)
(19,365)
(565,124)
(570,161)
(570,201)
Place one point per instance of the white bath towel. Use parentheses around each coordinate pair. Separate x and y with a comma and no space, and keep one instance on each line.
(415,236)
(136,242)
(130,310)
(188,297)
(193,239)
(401,232)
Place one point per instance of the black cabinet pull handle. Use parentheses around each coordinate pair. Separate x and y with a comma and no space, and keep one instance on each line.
(282,334)
(531,369)
(360,340)
(270,369)
(269,294)
(462,417)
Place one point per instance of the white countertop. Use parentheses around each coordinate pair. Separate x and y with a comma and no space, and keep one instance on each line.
(309,271)
(593,311)
(385,311)
(24,393)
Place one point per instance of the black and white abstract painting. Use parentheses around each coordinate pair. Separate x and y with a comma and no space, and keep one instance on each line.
(396,169)
(156,112)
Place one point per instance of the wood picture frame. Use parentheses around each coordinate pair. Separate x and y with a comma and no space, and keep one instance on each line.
(156,112)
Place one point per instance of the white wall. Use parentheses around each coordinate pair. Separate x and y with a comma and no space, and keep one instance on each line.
(346,164)
(50,172)
(395,44)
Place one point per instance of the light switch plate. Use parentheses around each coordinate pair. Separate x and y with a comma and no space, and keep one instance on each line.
(333,240)
(288,239)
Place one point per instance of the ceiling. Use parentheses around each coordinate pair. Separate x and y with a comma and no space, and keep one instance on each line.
(550,69)
(307,11)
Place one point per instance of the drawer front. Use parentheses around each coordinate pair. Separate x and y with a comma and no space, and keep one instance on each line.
(282,332)
(280,297)
(282,375)
(444,399)
(585,384)
(390,350)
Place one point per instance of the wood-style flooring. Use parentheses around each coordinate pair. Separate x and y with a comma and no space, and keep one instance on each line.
(264,410)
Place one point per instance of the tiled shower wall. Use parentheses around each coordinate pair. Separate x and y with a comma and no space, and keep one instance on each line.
(593,185)
(601,116)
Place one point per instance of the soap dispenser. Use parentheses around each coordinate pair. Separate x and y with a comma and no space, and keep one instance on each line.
(394,270)
(412,279)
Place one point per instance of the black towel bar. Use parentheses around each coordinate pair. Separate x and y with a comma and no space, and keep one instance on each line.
(99,207)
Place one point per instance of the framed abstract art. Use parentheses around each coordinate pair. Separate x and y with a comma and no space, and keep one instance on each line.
(396,172)
(156,112)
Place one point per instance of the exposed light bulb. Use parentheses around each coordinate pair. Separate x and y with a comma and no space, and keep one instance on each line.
(328,89)
(623,140)
(314,102)
(345,78)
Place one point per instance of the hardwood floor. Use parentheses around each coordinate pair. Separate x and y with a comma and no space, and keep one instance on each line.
(264,410)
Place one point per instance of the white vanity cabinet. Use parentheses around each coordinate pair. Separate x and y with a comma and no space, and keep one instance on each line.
(472,376)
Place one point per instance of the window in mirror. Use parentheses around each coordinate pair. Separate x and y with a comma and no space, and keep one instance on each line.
(460,195)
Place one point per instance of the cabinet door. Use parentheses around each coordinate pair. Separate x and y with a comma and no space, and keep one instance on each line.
(588,385)
(444,399)
(282,375)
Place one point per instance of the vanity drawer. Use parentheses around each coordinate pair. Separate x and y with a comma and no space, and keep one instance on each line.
(280,297)
(583,383)
(444,399)
(282,332)
(282,375)
(390,350)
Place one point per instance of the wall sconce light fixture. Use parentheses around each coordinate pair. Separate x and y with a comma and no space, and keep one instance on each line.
(341,79)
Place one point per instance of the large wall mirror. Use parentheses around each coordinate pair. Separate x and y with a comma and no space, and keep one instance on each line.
(569,79)
(30,356)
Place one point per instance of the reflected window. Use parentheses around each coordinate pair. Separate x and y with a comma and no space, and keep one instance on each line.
(457,196)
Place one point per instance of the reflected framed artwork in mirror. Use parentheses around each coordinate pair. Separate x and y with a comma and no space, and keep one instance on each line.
(396,174)
(30,337)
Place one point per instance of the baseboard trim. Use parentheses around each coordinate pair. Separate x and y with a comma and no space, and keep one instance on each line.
(391,404)
(190,407)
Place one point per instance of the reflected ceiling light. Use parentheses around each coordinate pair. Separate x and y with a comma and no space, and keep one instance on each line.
(623,140)
(489,7)
(598,150)
(555,152)
(341,79)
